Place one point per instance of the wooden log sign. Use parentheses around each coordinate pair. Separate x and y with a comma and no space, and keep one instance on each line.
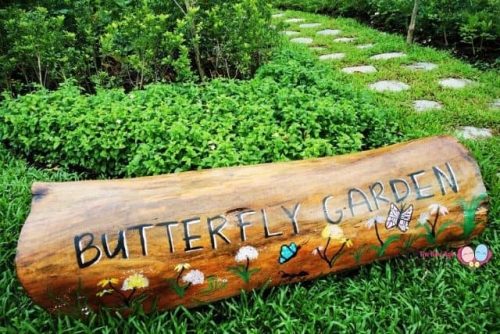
(195,237)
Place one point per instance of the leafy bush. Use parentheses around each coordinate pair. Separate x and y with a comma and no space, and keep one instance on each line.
(471,25)
(128,44)
(294,108)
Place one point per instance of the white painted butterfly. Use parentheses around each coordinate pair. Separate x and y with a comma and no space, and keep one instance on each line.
(399,217)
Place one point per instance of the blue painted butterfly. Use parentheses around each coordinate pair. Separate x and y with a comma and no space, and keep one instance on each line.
(288,252)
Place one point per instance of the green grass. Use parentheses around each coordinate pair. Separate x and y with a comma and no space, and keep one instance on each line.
(407,294)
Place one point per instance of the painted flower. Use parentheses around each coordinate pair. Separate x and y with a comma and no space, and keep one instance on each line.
(107,281)
(246,253)
(424,217)
(348,243)
(104,292)
(435,208)
(375,220)
(135,281)
(182,266)
(333,231)
(317,250)
(194,277)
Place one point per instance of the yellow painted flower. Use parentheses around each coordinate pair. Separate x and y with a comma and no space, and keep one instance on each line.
(348,243)
(334,232)
(107,281)
(182,266)
(135,281)
(104,292)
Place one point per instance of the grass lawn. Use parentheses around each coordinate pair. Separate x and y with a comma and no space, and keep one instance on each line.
(407,294)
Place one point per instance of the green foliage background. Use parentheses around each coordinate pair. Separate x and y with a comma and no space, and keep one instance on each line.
(130,43)
(470,28)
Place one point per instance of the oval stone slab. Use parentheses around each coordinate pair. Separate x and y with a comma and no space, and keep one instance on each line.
(344,40)
(302,40)
(495,104)
(389,55)
(309,25)
(389,86)
(360,69)
(290,33)
(332,56)
(294,20)
(422,66)
(329,32)
(424,105)
(454,83)
(365,46)
(471,132)
(275,16)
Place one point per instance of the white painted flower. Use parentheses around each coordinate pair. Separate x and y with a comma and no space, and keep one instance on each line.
(194,277)
(333,231)
(375,220)
(135,281)
(435,208)
(246,253)
(424,217)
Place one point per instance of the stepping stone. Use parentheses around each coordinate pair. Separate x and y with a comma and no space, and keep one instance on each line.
(317,48)
(422,66)
(495,104)
(470,132)
(365,46)
(329,32)
(290,33)
(275,16)
(344,40)
(424,105)
(359,69)
(454,83)
(332,56)
(294,20)
(389,55)
(389,86)
(309,25)
(302,40)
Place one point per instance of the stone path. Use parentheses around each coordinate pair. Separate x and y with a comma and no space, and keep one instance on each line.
(360,69)
(470,132)
(331,56)
(344,40)
(365,46)
(424,105)
(389,55)
(294,20)
(302,40)
(422,66)
(454,83)
(389,86)
(329,32)
(290,32)
(419,105)
(309,25)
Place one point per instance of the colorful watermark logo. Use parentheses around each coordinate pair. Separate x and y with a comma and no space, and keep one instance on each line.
(473,258)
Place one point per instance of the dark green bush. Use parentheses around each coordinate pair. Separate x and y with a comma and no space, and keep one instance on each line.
(294,108)
(472,26)
(130,43)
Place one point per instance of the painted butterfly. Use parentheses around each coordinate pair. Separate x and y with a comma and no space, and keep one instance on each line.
(399,217)
(288,252)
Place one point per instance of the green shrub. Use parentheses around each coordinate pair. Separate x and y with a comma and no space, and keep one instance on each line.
(129,44)
(293,109)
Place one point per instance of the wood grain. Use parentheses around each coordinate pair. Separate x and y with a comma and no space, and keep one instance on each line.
(195,237)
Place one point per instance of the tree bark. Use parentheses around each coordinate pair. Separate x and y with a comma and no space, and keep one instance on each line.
(413,22)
